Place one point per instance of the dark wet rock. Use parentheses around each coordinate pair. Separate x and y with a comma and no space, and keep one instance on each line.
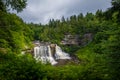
(86,39)
(74,61)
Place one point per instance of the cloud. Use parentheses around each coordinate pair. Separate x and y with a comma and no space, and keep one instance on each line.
(40,11)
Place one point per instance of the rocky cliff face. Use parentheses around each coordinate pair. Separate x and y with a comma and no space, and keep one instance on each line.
(76,40)
(70,40)
(86,38)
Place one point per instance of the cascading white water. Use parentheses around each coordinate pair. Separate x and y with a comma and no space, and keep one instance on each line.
(40,53)
(60,54)
(43,54)
(51,59)
(36,53)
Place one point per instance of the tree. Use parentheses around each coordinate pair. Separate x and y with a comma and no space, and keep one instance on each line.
(80,16)
(63,19)
(116,4)
(99,14)
(89,16)
(17,5)
(114,9)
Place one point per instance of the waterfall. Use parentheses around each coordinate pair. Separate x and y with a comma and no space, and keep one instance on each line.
(44,54)
(40,53)
(51,59)
(36,53)
(60,54)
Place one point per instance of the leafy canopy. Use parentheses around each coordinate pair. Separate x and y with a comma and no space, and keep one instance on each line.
(17,5)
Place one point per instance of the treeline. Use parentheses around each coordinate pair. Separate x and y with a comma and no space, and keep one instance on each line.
(99,60)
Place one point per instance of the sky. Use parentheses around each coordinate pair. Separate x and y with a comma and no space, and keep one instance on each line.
(41,11)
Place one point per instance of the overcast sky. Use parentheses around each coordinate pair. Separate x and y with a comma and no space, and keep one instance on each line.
(40,11)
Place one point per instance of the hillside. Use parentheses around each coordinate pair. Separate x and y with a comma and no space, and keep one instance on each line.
(93,38)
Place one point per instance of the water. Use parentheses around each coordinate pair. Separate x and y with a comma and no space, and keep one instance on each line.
(60,54)
(44,54)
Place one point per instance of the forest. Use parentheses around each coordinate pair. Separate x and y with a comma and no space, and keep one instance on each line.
(99,57)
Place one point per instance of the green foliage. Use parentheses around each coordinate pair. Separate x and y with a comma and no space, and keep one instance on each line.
(19,67)
(17,5)
(116,4)
(25,67)
(70,49)
(99,60)
(14,34)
